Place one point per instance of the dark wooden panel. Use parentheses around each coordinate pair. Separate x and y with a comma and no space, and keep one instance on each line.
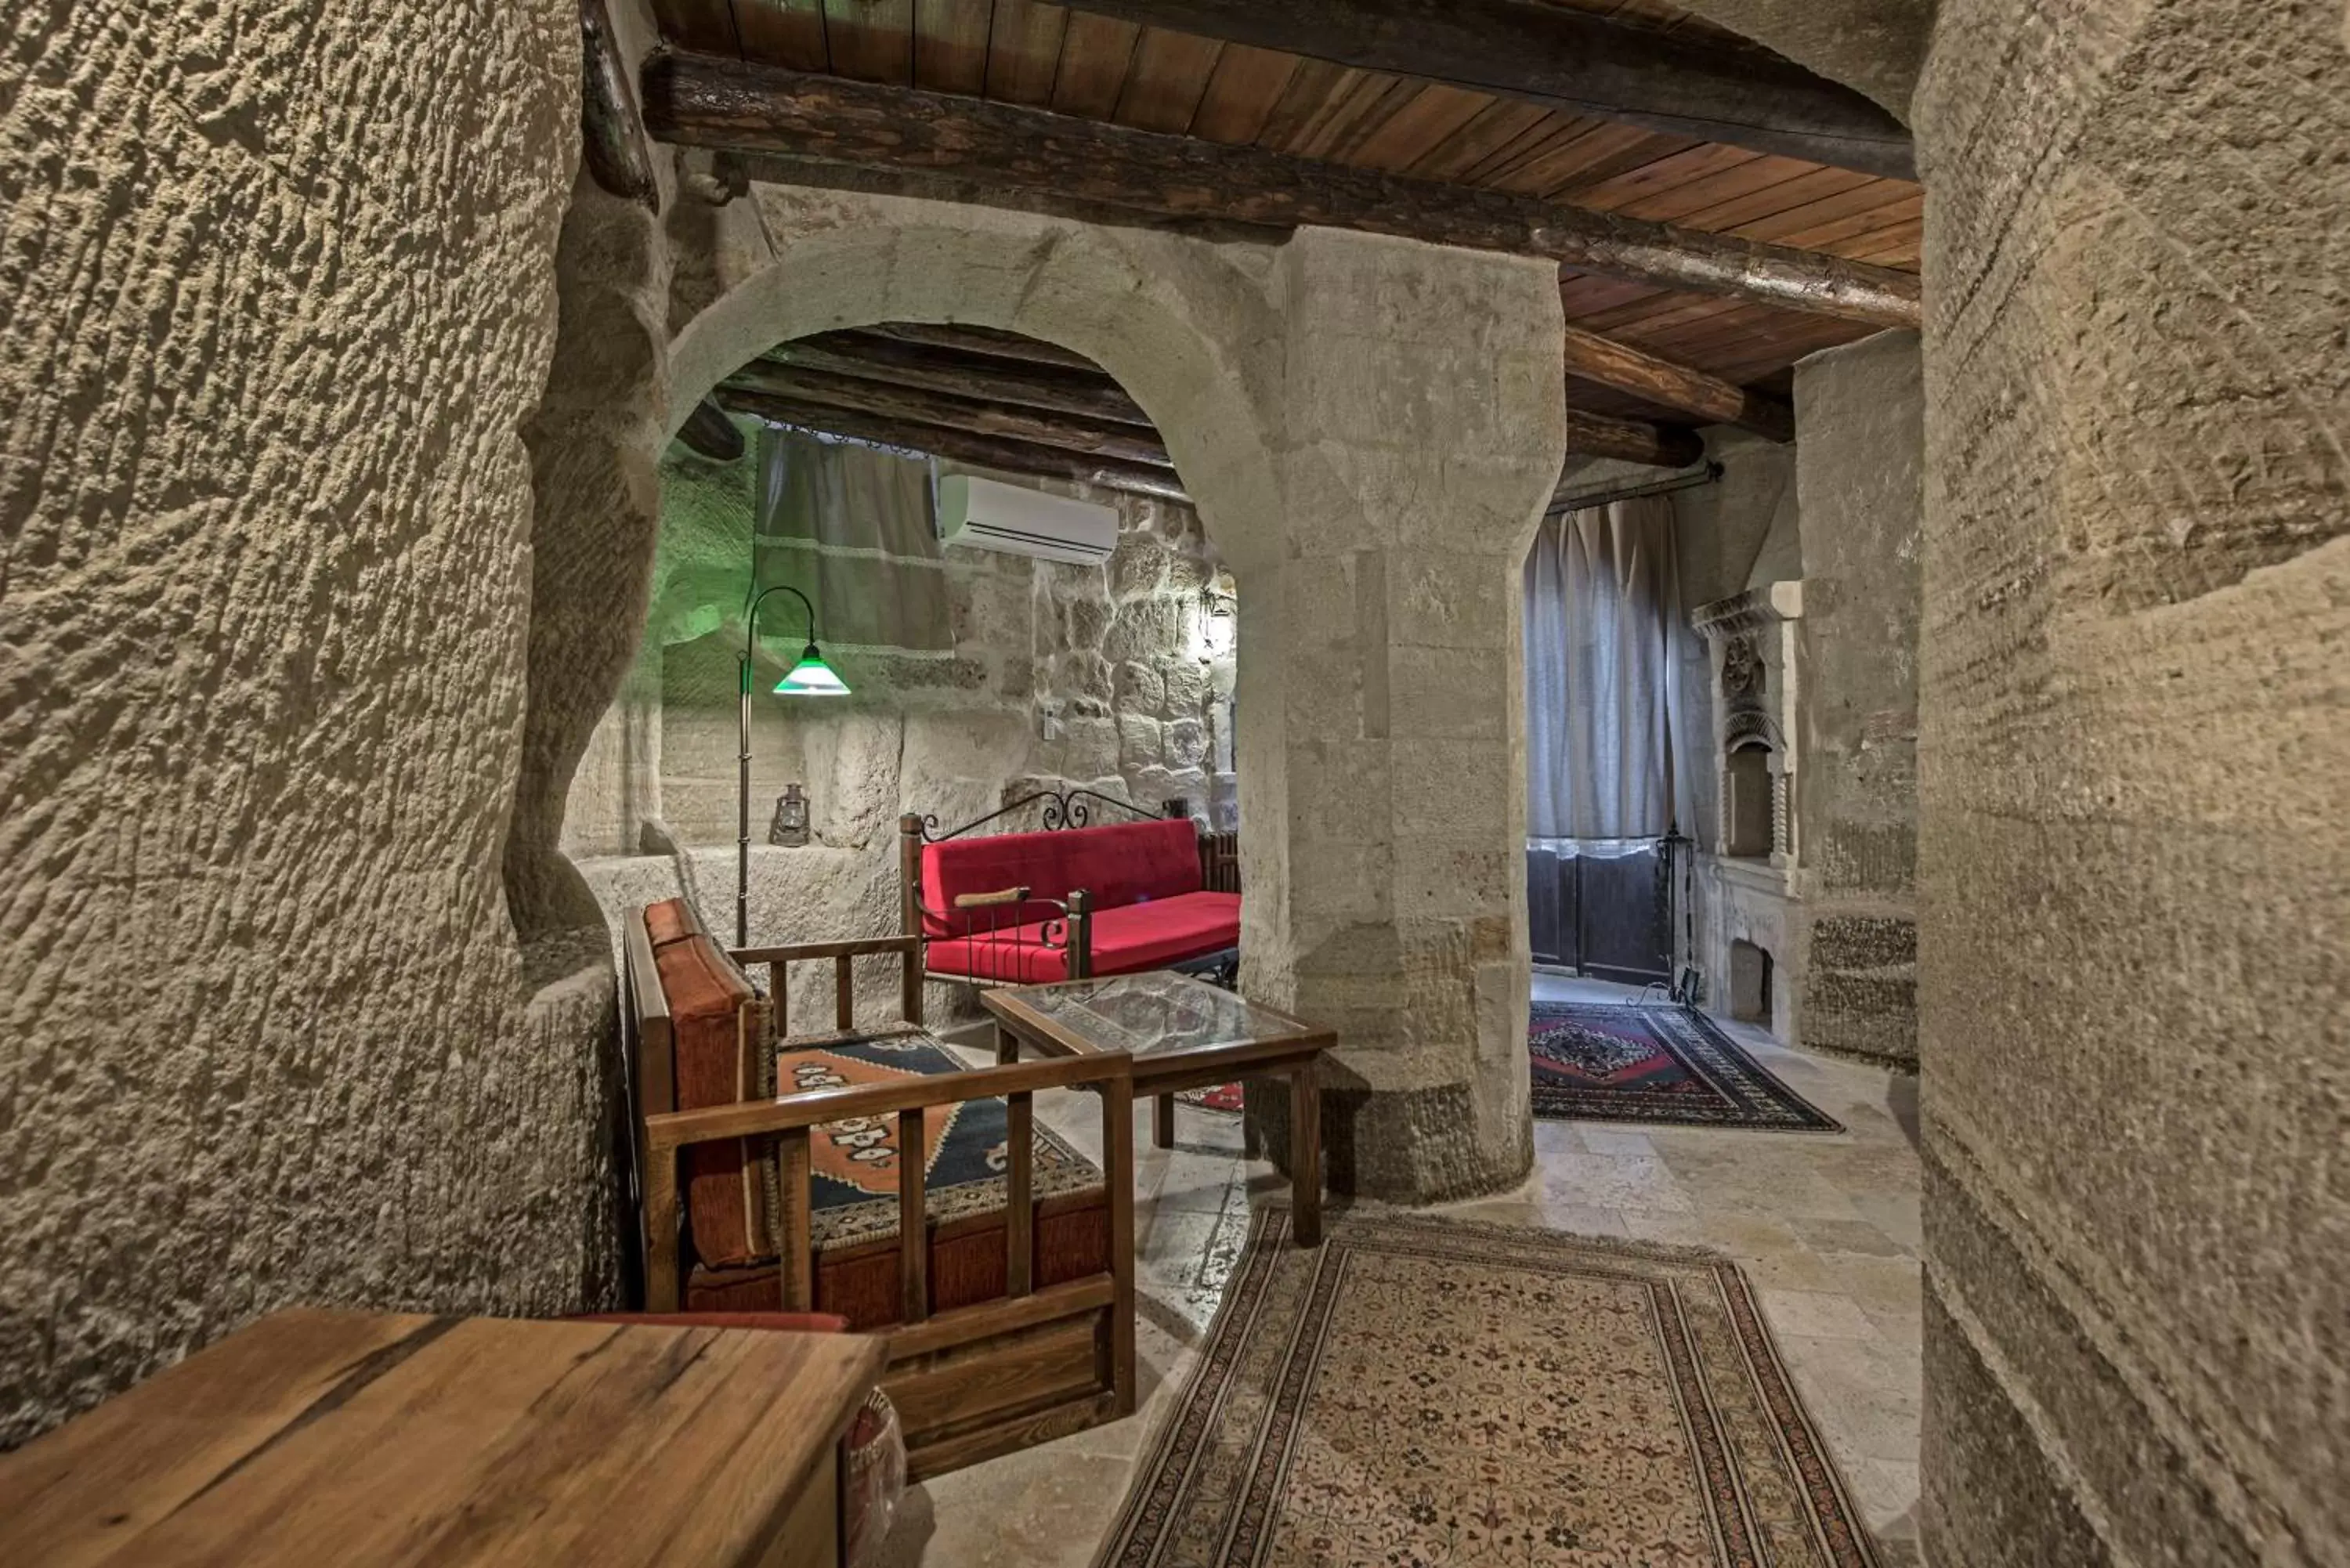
(871,40)
(951,45)
(784,32)
(1169,76)
(1427,119)
(1095,52)
(1610,192)
(1623,921)
(1241,93)
(1024,51)
(705,25)
(1501,124)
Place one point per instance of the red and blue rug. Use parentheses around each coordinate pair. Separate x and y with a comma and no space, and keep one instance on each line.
(1610,1062)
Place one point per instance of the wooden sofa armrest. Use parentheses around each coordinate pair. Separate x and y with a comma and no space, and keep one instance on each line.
(995,899)
(787,1119)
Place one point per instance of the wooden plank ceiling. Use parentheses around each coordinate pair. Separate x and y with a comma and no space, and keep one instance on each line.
(1097,67)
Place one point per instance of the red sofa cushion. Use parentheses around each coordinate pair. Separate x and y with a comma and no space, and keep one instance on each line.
(719,1063)
(1126,940)
(1117,862)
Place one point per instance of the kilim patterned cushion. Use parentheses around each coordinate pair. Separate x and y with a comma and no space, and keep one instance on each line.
(856,1163)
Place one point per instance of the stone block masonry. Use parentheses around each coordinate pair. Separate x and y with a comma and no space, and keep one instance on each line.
(1860,479)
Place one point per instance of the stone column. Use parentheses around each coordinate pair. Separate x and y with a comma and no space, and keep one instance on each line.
(1380,700)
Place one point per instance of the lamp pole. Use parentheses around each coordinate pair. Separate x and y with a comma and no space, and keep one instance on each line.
(743,783)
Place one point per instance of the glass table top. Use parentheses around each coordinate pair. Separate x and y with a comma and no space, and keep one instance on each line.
(1154,1012)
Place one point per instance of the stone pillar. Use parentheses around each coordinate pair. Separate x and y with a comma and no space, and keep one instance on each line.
(1381,698)
(2134,733)
(1860,474)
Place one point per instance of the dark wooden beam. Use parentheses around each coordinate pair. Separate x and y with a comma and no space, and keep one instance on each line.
(1633,440)
(958,445)
(709,431)
(1089,394)
(612,139)
(1596,435)
(1092,438)
(700,101)
(1659,381)
(1570,61)
(989,341)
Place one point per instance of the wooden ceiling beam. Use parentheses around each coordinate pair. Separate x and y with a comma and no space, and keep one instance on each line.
(1007,456)
(1633,440)
(1089,393)
(1571,61)
(1656,379)
(984,340)
(887,399)
(700,101)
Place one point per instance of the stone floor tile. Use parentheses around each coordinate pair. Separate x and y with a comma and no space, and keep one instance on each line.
(1615,1140)
(1815,1314)
(1608,1182)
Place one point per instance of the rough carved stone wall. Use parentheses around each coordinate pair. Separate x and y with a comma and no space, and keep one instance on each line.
(2135,731)
(1859,463)
(279,288)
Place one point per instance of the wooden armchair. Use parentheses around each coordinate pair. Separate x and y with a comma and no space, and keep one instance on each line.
(994,1342)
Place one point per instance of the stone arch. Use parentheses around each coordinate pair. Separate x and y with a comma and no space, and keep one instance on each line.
(1162,313)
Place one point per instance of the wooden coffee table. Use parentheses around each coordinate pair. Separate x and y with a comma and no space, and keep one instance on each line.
(368,1440)
(1183,1033)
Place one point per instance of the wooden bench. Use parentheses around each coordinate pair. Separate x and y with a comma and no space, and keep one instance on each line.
(1009,1322)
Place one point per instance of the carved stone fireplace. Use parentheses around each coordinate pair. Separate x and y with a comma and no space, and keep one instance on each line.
(1750,932)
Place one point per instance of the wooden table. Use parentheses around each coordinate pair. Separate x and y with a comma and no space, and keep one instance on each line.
(359,1439)
(1183,1033)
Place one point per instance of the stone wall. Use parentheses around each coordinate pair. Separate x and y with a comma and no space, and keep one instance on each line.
(2135,731)
(1859,463)
(280,298)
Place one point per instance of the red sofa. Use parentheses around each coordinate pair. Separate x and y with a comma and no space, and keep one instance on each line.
(1147,907)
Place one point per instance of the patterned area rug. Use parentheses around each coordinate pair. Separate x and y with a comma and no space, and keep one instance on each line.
(1605,1061)
(856,1169)
(1226,1098)
(1417,1391)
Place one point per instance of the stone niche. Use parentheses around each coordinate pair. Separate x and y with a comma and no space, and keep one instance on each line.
(1750,923)
(1116,677)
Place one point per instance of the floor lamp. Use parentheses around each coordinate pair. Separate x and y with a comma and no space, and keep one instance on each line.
(811,677)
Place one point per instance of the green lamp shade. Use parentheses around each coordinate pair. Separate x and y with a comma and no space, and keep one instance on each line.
(812,677)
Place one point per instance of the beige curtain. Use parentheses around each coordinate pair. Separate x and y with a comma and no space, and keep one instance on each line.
(851,527)
(1607,751)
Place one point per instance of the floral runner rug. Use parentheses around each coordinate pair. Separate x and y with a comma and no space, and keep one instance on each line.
(1618,1061)
(1429,1391)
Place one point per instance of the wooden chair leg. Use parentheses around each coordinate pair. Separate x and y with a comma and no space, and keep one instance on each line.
(1306,1156)
(1117,1174)
(1162,1121)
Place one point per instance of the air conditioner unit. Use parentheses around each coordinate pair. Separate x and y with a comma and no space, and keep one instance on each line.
(986,514)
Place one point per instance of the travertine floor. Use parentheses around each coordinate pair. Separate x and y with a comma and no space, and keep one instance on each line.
(1827,1226)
